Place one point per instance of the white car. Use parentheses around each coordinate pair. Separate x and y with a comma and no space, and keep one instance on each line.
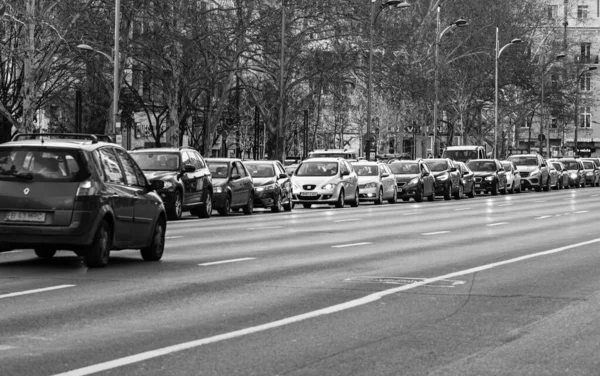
(330,181)
(376,182)
(513,177)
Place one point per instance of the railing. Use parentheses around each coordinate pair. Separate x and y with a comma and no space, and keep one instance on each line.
(586,59)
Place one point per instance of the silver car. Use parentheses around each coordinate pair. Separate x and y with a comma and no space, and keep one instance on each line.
(330,181)
(376,182)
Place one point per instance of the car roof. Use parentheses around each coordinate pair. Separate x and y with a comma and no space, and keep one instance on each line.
(464,147)
(60,143)
(157,150)
(324,159)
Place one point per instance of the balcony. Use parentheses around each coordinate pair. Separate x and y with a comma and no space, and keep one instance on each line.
(586,59)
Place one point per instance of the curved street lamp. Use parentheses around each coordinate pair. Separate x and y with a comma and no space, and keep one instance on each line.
(374,16)
(498,53)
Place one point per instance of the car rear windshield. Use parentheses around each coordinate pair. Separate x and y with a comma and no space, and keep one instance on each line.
(317,169)
(571,165)
(460,155)
(40,164)
(437,165)
(482,166)
(524,161)
(157,161)
(589,165)
(404,168)
(366,170)
(557,166)
(219,170)
(260,170)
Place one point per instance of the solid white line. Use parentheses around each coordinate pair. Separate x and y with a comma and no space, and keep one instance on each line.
(435,233)
(543,217)
(263,228)
(497,224)
(461,209)
(35,291)
(112,364)
(350,245)
(173,237)
(346,220)
(227,261)
(582,211)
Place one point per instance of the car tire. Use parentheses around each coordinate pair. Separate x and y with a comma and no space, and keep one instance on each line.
(249,207)
(394,198)
(354,203)
(205,210)
(494,190)
(97,255)
(341,200)
(226,209)
(175,211)
(379,199)
(155,250)
(448,192)
(277,207)
(307,206)
(431,197)
(472,193)
(539,187)
(461,190)
(45,253)
(290,205)
(512,188)
(547,186)
(419,195)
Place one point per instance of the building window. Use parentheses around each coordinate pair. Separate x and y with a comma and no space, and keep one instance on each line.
(582,11)
(552,12)
(585,117)
(585,82)
(554,123)
(586,49)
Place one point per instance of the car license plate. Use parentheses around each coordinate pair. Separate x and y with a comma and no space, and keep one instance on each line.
(477,185)
(26,217)
(309,193)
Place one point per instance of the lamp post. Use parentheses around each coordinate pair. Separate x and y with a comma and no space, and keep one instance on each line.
(498,53)
(577,105)
(373,19)
(542,118)
(458,23)
(279,147)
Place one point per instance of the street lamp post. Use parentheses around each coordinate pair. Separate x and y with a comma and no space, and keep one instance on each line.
(577,105)
(458,23)
(373,19)
(279,147)
(498,53)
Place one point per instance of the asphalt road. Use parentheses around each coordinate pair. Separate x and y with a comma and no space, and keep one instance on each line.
(502,285)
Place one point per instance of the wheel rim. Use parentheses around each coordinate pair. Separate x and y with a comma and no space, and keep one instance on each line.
(279,204)
(208,203)
(159,238)
(227,205)
(250,203)
(103,243)
(178,205)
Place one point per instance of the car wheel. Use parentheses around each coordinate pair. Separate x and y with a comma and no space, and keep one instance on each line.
(96,256)
(45,252)
(512,188)
(539,187)
(431,197)
(379,199)
(394,198)
(458,195)
(277,207)
(205,210)
(226,209)
(495,189)
(341,201)
(154,251)
(354,203)
(471,194)
(547,186)
(447,192)
(307,206)
(419,195)
(249,208)
(175,211)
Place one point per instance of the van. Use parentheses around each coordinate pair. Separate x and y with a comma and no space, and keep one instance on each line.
(464,153)
(348,154)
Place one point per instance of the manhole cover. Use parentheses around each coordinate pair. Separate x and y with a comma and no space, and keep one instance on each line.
(405,281)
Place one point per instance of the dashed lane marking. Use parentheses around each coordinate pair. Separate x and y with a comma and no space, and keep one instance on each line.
(497,224)
(350,245)
(35,291)
(582,211)
(435,233)
(174,237)
(263,227)
(346,220)
(543,217)
(461,209)
(227,261)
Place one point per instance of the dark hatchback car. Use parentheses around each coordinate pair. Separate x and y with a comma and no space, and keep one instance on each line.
(413,179)
(490,176)
(187,180)
(90,197)
(272,185)
(232,185)
(447,178)
(468,178)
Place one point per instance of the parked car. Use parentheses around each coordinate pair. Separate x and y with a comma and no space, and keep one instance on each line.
(534,171)
(575,169)
(272,185)
(464,153)
(413,179)
(187,180)
(563,174)
(232,184)
(290,169)
(447,178)
(77,194)
(468,178)
(513,176)
(490,176)
(329,181)
(376,182)
(592,173)
(553,174)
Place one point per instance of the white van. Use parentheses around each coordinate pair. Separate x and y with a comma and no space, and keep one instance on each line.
(348,154)
(464,152)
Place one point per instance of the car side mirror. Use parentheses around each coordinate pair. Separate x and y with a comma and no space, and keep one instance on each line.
(385,175)
(156,185)
(189,168)
(283,176)
(453,169)
(235,176)
(345,173)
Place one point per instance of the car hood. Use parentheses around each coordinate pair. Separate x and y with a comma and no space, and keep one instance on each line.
(405,178)
(160,175)
(263,181)
(368,179)
(315,180)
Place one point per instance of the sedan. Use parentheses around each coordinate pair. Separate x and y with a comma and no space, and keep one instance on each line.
(413,179)
(490,176)
(447,178)
(376,182)
(233,185)
(272,185)
(591,173)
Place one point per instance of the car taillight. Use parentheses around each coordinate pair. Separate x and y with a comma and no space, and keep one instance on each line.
(86,188)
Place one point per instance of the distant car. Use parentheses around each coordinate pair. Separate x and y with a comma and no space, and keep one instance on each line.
(597,164)
(513,176)
(464,153)
(80,195)
(348,154)
(188,182)
(413,179)
(290,169)
(447,178)
(591,173)
(490,176)
(232,184)
(534,171)
(272,185)
(329,181)
(575,169)
(468,178)
(563,174)
(376,182)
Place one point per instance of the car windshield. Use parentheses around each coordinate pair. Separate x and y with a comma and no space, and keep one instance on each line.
(524,161)
(317,169)
(507,166)
(152,161)
(333,155)
(482,166)
(571,165)
(260,170)
(589,165)
(557,166)
(437,165)
(460,155)
(366,170)
(218,170)
(403,168)
(39,164)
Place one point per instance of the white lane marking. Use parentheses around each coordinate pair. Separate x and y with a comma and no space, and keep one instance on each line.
(410,213)
(346,220)
(13,294)
(497,224)
(112,364)
(4,253)
(540,200)
(505,205)
(461,209)
(174,237)
(594,195)
(6,347)
(263,227)
(543,217)
(582,211)
(435,233)
(227,261)
(350,245)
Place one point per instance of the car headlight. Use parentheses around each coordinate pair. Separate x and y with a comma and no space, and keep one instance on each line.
(573,175)
(218,189)
(442,177)
(328,186)
(414,181)
(269,187)
(534,172)
(371,185)
(168,185)
(489,178)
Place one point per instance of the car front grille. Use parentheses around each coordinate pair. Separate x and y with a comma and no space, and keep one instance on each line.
(309,187)
(524,174)
(478,180)
(400,185)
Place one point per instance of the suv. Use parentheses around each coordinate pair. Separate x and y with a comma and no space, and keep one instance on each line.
(534,171)
(63,192)
(187,180)
(490,176)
